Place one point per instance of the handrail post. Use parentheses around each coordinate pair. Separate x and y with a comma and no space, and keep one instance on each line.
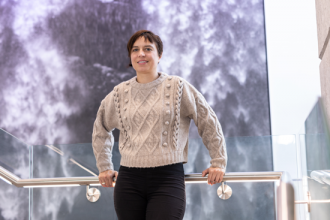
(285,199)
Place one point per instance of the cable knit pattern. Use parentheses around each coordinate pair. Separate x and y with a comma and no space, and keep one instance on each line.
(102,137)
(117,105)
(154,119)
(145,118)
(177,113)
(212,132)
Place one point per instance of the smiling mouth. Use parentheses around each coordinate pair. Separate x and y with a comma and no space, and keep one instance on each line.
(143,62)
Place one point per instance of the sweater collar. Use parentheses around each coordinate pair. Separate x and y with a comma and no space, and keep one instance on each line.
(148,85)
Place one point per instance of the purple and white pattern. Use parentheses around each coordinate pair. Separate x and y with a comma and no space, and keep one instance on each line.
(59,59)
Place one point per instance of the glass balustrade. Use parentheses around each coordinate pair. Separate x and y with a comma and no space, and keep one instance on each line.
(14,157)
(305,157)
(250,200)
(246,154)
(314,146)
(78,160)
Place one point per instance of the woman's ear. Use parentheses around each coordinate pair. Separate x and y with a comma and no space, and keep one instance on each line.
(160,57)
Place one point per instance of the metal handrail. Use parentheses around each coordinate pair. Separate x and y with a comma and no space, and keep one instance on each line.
(92,180)
(285,203)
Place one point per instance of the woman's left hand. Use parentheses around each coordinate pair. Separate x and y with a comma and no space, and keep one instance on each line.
(215,175)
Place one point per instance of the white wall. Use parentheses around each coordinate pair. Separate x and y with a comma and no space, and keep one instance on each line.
(293,64)
(294,82)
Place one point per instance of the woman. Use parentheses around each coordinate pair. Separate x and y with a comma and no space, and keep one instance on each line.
(153,112)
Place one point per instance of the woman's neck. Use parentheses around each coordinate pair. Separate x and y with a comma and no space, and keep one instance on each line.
(146,77)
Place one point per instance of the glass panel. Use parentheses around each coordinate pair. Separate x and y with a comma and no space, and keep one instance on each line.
(285,155)
(67,160)
(285,158)
(14,157)
(245,154)
(249,200)
(316,173)
(67,203)
(70,160)
(315,161)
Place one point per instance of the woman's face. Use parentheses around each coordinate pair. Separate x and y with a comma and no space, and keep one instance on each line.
(144,56)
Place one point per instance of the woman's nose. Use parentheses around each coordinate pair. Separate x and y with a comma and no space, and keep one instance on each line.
(141,53)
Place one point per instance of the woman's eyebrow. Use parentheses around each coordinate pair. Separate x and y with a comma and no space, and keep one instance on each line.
(144,46)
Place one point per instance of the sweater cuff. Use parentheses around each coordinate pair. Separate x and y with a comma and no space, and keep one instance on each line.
(218,163)
(105,168)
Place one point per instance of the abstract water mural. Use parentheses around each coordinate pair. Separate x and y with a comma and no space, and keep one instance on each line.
(59,59)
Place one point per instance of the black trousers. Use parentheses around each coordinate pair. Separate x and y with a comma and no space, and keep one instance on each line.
(150,193)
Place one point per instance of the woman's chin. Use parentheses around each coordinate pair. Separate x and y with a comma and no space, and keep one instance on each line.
(143,70)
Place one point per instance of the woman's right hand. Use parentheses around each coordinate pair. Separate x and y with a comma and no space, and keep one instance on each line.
(106,178)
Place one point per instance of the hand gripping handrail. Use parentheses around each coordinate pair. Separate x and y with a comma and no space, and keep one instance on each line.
(285,194)
(91,180)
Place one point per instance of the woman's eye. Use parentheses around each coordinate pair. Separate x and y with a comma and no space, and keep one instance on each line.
(134,50)
(148,49)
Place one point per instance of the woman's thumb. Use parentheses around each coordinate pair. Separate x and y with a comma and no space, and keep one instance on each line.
(205,172)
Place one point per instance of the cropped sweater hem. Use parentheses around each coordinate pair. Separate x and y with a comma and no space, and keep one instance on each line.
(152,160)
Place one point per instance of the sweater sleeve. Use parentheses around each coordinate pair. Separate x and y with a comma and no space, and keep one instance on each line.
(102,138)
(194,106)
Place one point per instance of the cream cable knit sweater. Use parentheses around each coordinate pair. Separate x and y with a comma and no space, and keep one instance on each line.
(153,120)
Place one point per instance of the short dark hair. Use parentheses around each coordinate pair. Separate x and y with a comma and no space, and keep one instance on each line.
(148,35)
